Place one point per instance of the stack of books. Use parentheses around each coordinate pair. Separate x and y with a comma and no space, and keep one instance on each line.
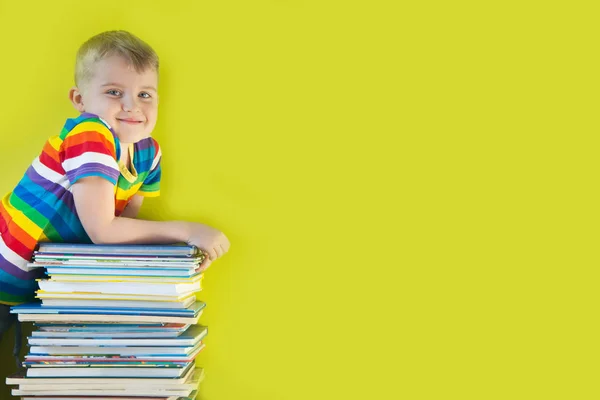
(114,322)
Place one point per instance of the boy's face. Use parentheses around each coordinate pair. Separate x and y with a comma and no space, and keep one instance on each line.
(124,98)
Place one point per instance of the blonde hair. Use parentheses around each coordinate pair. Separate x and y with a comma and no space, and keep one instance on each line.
(134,50)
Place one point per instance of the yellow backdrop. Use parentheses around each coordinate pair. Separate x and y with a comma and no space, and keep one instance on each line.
(408,186)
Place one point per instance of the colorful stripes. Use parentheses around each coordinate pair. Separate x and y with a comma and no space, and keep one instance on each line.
(41,207)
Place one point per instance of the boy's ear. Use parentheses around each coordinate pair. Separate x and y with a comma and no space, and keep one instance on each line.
(76,99)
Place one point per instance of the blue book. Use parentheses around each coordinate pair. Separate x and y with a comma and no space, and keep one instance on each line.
(119,249)
(190,337)
(37,308)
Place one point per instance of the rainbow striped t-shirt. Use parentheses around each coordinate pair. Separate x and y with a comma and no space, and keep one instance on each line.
(41,207)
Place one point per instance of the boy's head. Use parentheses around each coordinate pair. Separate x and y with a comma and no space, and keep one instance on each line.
(116,78)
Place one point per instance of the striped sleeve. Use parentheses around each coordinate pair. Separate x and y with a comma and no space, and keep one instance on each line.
(89,149)
(151,185)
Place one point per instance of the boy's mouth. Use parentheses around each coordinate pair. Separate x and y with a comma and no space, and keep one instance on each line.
(130,121)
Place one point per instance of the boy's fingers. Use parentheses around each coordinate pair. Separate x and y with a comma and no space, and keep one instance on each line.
(225,245)
(205,264)
(219,251)
(211,254)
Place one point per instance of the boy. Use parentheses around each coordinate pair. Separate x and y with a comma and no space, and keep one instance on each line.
(89,181)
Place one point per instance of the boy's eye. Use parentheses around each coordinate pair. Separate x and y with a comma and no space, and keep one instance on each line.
(114,92)
(145,95)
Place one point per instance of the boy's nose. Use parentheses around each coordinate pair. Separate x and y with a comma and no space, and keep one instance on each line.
(129,104)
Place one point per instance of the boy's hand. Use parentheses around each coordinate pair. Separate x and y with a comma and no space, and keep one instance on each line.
(211,241)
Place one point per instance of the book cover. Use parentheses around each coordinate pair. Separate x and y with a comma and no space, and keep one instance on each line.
(118,249)
(189,338)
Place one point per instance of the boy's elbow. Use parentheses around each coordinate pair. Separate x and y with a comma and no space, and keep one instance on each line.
(97,238)
(99,234)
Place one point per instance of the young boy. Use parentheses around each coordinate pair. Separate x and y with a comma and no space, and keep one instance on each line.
(89,181)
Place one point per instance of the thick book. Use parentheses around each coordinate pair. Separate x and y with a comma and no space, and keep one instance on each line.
(164,289)
(189,338)
(40,294)
(118,249)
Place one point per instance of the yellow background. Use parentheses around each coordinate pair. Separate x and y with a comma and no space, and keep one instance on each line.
(409,187)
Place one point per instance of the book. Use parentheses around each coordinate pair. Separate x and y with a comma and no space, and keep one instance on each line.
(113,331)
(104,394)
(40,259)
(40,294)
(164,289)
(95,395)
(106,318)
(122,271)
(115,351)
(100,358)
(91,327)
(113,371)
(101,335)
(119,303)
(38,308)
(27,396)
(191,383)
(115,262)
(127,278)
(118,249)
(104,364)
(19,378)
(189,338)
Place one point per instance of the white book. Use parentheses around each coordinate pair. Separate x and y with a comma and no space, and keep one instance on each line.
(190,385)
(52,271)
(20,379)
(192,379)
(130,279)
(115,372)
(103,393)
(165,289)
(118,303)
(189,338)
(77,397)
(86,318)
(40,294)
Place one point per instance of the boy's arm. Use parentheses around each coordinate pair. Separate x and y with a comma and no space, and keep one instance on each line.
(133,207)
(94,202)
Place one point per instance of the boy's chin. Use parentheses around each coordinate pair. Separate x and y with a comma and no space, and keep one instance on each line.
(131,137)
